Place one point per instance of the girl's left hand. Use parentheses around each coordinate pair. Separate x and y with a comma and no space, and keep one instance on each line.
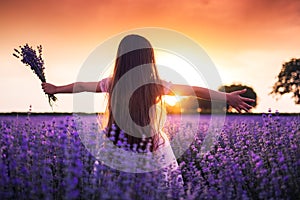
(49,88)
(239,103)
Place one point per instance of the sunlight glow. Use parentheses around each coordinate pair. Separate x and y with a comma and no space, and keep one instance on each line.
(168,62)
(171,100)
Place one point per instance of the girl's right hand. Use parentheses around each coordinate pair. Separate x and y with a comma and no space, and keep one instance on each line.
(49,88)
(239,103)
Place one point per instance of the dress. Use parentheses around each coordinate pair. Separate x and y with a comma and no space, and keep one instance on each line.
(163,160)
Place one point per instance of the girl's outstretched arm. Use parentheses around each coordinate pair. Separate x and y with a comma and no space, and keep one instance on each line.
(71,88)
(233,99)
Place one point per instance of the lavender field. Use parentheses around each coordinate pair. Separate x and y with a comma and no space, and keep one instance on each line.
(255,157)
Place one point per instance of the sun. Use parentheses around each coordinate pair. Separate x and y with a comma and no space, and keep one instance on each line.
(171,100)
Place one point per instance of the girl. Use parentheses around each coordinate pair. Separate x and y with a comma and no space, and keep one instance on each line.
(135,51)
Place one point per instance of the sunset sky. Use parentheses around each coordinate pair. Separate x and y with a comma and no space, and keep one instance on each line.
(248,40)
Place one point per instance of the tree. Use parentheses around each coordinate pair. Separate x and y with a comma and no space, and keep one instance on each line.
(289,80)
(250,93)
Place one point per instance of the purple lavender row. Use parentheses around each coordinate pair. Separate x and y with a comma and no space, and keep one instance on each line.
(254,158)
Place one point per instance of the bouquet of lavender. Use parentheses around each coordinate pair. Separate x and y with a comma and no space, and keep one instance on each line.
(30,58)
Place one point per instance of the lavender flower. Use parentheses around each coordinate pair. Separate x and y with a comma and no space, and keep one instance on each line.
(30,58)
(46,160)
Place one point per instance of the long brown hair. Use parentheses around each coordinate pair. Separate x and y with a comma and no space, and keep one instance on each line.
(135,51)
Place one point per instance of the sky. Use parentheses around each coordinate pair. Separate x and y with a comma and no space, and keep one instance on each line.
(248,41)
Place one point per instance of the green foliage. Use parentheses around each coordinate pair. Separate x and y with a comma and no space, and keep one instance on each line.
(289,80)
(250,93)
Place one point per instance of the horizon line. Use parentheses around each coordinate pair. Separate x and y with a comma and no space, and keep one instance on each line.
(101,113)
